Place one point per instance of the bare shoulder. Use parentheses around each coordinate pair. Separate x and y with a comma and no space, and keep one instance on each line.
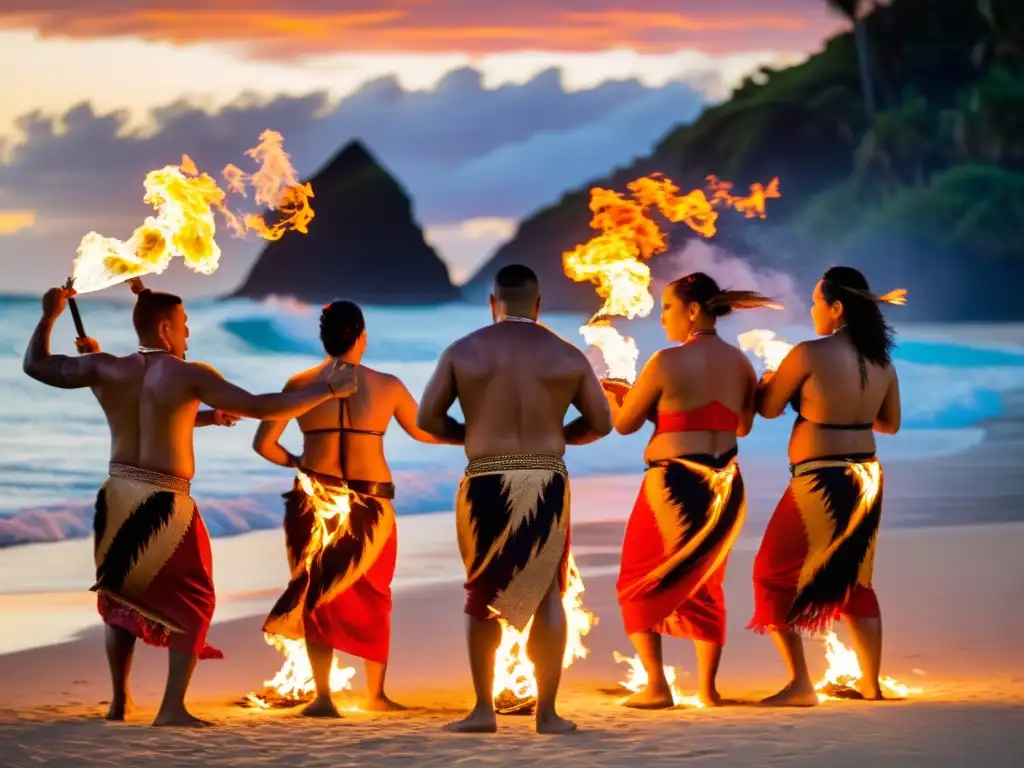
(302,378)
(379,379)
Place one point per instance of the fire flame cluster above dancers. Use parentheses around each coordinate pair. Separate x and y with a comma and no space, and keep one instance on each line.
(187,203)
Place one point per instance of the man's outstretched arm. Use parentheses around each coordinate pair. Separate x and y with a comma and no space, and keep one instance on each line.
(214,390)
(59,370)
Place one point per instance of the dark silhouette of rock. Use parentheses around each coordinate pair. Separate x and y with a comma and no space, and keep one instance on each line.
(363,244)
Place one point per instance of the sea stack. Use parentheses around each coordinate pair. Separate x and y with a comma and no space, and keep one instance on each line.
(363,244)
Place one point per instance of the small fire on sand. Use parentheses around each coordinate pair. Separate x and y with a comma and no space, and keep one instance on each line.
(515,683)
(293,684)
(843,673)
(615,258)
(185,225)
(636,681)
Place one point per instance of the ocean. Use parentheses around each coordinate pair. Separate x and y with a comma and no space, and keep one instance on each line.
(54,443)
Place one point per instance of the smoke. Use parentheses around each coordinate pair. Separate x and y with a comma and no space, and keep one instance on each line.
(734,273)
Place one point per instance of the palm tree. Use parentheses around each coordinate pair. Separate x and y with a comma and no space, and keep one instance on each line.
(851,9)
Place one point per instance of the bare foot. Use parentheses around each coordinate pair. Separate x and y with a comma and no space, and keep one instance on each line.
(874,693)
(553,724)
(119,708)
(711,699)
(793,695)
(179,719)
(382,704)
(649,698)
(321,707)
(478,721)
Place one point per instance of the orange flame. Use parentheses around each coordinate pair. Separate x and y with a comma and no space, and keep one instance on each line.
(184,224)
(614,258)
(513,670)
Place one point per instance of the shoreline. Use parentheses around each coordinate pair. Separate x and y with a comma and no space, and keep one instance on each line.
(979,486)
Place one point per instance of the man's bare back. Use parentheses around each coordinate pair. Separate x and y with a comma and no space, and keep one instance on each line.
(515,381)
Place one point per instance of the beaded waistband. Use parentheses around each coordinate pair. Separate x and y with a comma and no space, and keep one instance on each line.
(169,482)
(510,462)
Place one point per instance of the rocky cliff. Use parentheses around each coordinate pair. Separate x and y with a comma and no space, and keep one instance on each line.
(363,243)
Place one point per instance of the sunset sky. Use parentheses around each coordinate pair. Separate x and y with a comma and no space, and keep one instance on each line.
(484,111)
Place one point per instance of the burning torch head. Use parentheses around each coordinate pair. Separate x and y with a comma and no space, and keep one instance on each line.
(516,293)
(160,322)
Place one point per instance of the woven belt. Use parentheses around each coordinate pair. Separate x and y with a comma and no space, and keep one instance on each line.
(169,482)
(510,462)
(829,462)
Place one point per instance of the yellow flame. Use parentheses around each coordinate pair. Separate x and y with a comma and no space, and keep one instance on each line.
(614,259)
(636,680)
(513,670)
(331,510)
(844,672)
(764,345)
(294,681)
(184,224)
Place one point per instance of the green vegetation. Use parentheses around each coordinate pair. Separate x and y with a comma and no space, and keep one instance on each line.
(900,149)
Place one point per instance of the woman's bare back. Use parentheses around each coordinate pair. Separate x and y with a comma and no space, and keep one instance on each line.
(691,376)
(369,410)
(840,389)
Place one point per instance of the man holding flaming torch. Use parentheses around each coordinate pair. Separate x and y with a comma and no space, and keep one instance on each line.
(153,561)
(514,381)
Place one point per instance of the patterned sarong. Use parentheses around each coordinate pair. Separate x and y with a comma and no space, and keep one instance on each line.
(817,556)
(678,538)
(154,567)
(512,519)
(339,595)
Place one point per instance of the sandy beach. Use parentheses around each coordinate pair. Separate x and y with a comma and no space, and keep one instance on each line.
(953,619)
(948,573)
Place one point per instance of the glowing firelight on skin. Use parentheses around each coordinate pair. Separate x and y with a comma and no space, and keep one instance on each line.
(614,259)
(636,681)
(185,224)
(294,681)
(513,670)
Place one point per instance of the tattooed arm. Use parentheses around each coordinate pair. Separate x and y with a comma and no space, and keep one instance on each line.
(60,370)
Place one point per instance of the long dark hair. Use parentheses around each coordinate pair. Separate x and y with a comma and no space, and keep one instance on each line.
(871,335)
(702,289)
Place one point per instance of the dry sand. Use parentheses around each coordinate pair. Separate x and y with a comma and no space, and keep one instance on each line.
(954,627)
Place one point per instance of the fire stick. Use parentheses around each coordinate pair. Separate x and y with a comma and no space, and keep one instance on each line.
(73,306)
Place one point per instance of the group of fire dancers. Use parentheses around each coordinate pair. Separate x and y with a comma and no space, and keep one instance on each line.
(515,380)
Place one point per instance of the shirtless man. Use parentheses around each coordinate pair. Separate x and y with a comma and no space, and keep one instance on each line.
(343,600)
(514,381)
(154,570)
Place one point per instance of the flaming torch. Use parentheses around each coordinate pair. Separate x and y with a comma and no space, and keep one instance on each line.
(615,259)
(184,223)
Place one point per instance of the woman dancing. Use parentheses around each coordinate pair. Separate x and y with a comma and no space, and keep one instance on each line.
(816,559)
(700,395)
